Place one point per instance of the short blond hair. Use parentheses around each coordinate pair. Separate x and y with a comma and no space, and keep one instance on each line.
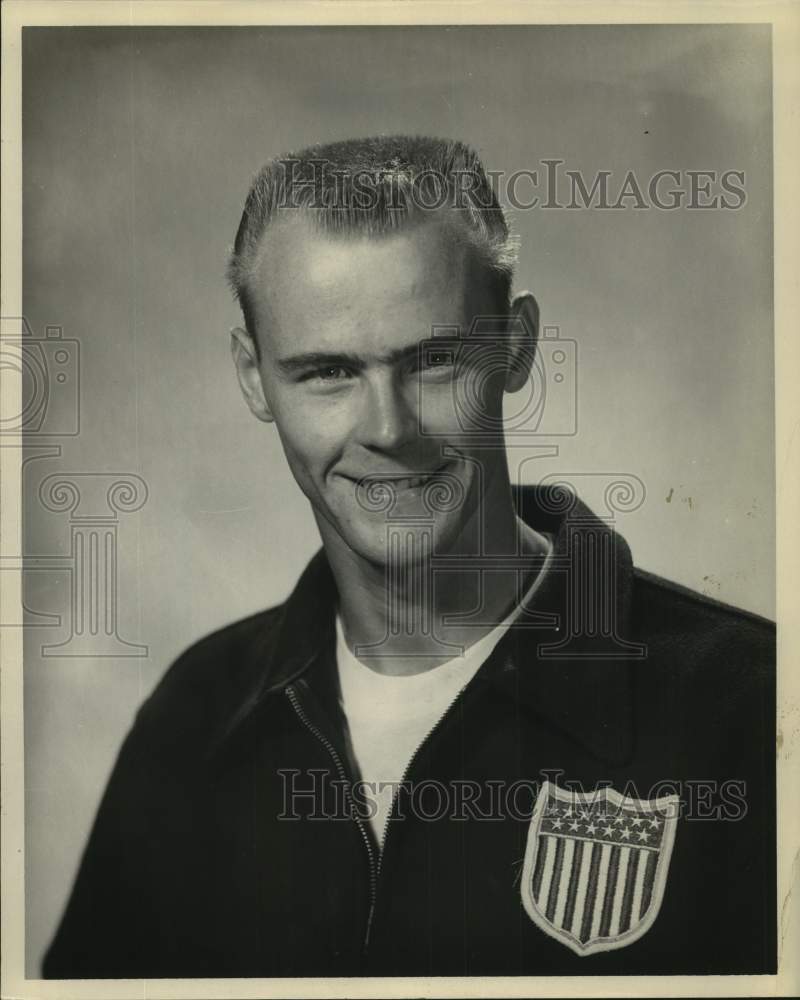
(375,186)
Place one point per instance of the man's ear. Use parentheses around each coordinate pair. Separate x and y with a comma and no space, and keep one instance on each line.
(525,310)
(245,358)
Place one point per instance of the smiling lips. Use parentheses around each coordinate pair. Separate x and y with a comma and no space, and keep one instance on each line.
(409,482)
(397,482)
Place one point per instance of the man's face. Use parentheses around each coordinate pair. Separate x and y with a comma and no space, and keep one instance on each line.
(339,321)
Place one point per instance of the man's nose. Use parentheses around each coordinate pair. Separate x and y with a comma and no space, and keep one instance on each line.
(389,420)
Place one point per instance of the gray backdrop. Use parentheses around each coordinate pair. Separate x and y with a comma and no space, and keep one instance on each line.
(138,148)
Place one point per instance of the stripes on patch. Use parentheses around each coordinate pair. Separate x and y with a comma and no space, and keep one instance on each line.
(595,866)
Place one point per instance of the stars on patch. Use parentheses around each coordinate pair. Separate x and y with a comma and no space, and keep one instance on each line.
(603,823)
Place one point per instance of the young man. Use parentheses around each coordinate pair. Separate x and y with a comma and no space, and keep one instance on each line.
(474,740)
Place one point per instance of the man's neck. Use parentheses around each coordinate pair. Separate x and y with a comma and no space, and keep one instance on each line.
(405,618)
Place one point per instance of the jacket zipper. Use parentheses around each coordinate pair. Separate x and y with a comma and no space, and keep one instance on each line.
(374,866)
(345,779)
(412,760)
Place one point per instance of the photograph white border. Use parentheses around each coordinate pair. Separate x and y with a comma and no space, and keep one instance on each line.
(785,20)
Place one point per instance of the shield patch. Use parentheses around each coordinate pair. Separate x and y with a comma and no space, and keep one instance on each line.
(596,865)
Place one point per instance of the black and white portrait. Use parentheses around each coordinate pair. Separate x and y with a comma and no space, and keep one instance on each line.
(396,449)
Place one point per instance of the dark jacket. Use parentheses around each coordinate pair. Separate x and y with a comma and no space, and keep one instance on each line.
(614,677)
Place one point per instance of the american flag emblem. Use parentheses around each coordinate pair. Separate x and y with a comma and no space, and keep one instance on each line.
(596,865)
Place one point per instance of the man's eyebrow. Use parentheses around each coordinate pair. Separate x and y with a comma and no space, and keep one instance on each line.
(328,359)
(319,359)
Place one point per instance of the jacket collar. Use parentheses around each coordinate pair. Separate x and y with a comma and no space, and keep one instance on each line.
(571,657)
(568,659)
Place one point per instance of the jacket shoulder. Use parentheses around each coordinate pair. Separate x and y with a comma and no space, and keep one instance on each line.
(668,595)
(208,679)
(702,630)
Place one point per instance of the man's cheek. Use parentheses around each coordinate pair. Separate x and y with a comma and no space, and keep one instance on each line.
(438,412)
(312,447)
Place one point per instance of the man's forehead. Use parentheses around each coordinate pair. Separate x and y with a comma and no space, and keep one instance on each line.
(301,262)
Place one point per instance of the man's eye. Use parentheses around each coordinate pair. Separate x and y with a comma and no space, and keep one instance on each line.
(330,373)
(439,359)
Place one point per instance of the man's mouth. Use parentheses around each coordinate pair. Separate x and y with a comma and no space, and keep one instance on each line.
(408,482)
(397,482)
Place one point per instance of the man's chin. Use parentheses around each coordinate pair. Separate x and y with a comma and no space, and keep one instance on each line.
(400,542)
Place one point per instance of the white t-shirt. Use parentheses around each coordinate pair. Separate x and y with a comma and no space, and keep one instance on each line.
(390,716)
